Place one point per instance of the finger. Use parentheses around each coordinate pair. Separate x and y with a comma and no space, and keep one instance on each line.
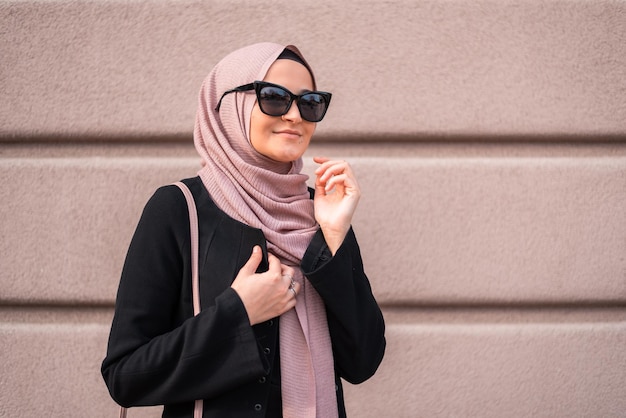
(341,181)
(324,164)
(320,187)
(320,160)
(253,262)
(328,172)
(332,168)
(294,289)
(274,263)
(287,272)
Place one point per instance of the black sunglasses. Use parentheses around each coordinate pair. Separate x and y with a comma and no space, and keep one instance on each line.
(275,100)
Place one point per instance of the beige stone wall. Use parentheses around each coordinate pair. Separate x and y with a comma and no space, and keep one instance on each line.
(489,138)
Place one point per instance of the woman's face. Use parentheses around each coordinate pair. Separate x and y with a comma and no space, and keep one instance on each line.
(283,138)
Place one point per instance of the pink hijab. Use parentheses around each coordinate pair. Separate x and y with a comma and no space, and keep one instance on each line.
(274,197)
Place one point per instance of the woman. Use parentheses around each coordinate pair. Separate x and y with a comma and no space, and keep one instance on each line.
(287,310)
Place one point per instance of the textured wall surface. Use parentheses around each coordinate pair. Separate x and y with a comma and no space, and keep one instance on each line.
(489,138)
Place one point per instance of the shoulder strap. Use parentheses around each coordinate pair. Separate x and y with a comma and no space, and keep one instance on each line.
(195,281)
(193,229)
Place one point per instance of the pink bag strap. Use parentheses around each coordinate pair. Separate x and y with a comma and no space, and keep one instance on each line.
(195,280)
(193,229)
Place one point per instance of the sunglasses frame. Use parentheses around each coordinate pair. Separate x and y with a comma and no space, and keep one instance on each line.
(258,85)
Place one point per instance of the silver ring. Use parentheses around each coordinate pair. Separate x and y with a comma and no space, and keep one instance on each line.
(293,291)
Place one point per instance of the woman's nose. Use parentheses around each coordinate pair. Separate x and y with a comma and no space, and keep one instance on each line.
(293,113)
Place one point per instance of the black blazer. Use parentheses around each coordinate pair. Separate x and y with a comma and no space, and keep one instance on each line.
(160,354)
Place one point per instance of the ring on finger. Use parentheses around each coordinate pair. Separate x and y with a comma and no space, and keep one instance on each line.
(293,291)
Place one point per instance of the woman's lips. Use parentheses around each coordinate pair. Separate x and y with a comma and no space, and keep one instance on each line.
(290,134)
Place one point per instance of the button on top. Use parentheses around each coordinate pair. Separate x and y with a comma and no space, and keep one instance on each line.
(258,407)
(266,350)
(262,379)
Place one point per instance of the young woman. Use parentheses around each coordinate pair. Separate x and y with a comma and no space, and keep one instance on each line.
(287,310)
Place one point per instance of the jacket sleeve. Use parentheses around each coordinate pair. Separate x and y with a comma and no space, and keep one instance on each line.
(356,324)
(158,352)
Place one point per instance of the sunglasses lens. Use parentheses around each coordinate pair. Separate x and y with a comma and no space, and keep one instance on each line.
(274,101)
(312,107)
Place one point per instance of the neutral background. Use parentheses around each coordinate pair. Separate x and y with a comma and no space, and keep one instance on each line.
(489,138)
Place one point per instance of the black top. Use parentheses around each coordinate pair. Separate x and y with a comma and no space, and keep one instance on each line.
(160,354)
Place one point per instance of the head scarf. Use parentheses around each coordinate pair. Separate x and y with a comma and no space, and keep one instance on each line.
(274,197)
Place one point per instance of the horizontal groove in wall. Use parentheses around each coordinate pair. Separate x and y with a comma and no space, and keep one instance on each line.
(90,138)
(466,314)
(391,149)
(39,314)
(505,313)
(487,137)
(352,137)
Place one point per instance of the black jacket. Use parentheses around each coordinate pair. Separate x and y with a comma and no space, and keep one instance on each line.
(160,354)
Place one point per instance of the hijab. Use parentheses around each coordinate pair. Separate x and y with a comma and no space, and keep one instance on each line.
(274,197)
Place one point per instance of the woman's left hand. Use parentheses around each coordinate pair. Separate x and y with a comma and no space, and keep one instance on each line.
(337,194)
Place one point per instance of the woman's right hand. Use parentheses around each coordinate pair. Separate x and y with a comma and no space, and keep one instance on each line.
(265,295)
